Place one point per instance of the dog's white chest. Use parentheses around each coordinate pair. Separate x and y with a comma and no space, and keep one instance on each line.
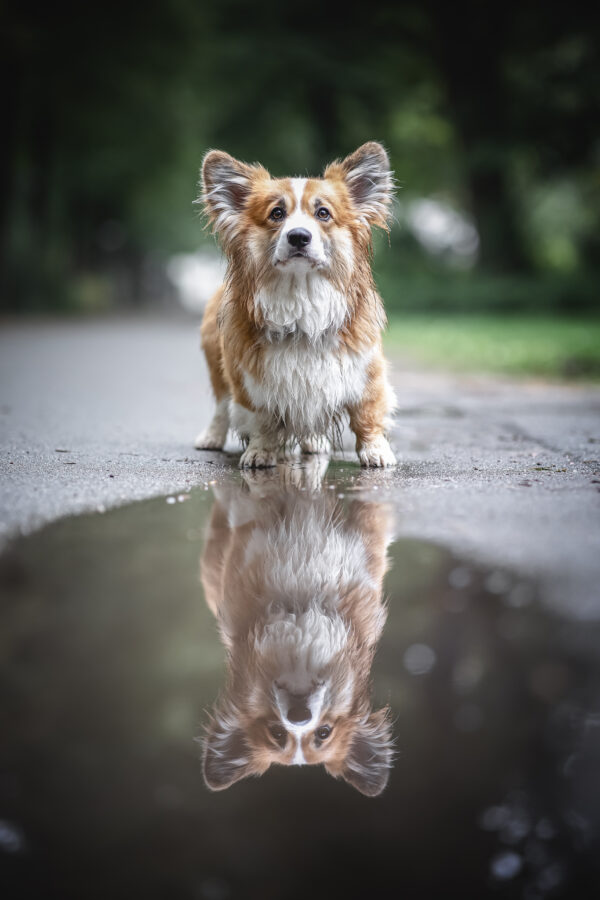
(304,303)
(306,384)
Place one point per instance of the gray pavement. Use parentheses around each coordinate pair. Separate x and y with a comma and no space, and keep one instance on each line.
(98,413)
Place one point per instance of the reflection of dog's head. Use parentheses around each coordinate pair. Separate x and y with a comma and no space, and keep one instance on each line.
(297,593)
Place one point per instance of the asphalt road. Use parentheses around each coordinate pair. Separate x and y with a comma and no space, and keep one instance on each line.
(99,413)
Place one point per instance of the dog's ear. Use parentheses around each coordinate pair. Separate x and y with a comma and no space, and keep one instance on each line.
(227,757)
(367,765)
(368,177)
(226,184)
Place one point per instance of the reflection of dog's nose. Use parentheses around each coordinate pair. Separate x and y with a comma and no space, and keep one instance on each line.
(298,714)
(299,237)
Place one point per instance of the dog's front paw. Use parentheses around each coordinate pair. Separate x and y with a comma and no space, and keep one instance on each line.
(258,455)
(210,439)
(377,453)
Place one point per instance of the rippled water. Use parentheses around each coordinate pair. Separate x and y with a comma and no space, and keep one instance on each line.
(413,728)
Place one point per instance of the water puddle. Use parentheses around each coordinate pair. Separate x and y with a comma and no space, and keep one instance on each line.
(380,718)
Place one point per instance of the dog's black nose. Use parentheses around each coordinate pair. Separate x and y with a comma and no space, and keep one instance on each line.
(299,715)
(299,237)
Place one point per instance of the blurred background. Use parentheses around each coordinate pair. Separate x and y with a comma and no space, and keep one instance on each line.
(489,111)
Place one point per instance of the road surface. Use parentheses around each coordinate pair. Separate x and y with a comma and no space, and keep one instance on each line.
(98,413)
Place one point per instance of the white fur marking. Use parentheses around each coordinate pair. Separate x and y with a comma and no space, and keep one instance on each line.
(377,453)
(298,759)
(299,646)
(302,302)
(309,563)
(300,219)
(243,420)
(261,453)
(305,551)
(307,384)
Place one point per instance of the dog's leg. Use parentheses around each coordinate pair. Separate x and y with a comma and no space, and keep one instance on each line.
(265,445)
(262,452)
(213,556)
(214,437)
(368,420)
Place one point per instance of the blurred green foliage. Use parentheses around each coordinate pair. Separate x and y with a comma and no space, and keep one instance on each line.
(556,347)
(490,109)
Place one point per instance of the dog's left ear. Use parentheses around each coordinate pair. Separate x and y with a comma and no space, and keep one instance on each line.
(367,765)
(368,177)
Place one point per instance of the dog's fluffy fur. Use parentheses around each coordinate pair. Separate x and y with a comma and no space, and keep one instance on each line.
(293,338)
(296,589)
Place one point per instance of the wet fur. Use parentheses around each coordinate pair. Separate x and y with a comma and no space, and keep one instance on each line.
(294,346)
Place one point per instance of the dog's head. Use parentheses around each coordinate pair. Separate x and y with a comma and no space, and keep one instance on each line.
(271,226)
(299,694)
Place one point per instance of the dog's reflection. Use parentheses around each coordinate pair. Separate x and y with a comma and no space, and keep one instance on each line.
(294,579)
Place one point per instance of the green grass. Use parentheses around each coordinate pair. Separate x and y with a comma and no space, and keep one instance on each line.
(551,346)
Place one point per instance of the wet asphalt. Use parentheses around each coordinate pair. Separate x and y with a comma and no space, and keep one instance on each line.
(100,413)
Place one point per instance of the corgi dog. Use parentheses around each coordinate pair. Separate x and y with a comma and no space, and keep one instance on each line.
(295,585)
(293,338)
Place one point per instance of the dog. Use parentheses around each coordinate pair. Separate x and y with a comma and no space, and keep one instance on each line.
(295,585)
(293,338)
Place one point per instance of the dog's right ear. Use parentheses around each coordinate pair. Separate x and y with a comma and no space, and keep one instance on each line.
(227,757)
(226,184)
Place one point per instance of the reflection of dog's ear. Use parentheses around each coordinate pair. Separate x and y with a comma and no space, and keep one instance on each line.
(226,754)
(368,763)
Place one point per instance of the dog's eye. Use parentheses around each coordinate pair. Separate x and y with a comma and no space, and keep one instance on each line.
(279,733)
(323,213)
(277,214)
(323,732)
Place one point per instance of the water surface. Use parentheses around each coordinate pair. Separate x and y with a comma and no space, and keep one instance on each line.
(124,637)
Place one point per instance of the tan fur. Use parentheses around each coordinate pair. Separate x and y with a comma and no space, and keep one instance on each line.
(237,591)
(239,200)
(211,344)
(367,418)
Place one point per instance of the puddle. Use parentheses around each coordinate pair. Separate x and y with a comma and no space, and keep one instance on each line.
(113,662)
